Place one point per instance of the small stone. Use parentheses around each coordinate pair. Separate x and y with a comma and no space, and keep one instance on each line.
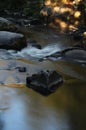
(21,69)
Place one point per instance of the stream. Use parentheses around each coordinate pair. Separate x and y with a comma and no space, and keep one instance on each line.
(24,109)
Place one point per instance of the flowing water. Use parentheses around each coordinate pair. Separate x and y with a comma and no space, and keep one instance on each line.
(24,109)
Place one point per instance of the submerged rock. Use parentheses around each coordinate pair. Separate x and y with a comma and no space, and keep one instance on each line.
(44,82)
(10,40)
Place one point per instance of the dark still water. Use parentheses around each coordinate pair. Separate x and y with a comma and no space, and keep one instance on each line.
(24,109)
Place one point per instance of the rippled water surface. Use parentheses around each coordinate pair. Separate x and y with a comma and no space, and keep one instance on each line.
(24,109)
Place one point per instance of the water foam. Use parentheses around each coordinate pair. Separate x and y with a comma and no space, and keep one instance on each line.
(39,53)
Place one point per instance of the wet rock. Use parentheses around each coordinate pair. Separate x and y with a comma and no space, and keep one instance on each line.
(33,43)
(44,82)
(21,69)
(55,56)
(10,40)
(75,54)
(3,20)
(7,25)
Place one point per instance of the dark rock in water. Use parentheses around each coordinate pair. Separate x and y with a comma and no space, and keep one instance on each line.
(7,25)
(10,40)
(44,82)
(33,43)
(75,54)
(36,46)
(21,69)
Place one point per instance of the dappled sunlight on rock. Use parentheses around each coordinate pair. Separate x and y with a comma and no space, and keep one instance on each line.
(67,12)
(56,9)
(48,2)
(84,34)
(44,12)
(72,27)
(76,23)
(77,14)
(64,10)
(62,25)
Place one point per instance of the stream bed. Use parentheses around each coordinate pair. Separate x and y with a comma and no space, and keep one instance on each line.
(24,109)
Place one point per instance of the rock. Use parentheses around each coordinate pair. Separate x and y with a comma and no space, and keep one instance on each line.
(7,25)
(10,40)
(3,20)
(44,82)
(21,69)
(75,54)
(54,57)
(33,43)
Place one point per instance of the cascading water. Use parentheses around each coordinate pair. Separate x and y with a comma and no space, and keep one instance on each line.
(29,52)
(39,53)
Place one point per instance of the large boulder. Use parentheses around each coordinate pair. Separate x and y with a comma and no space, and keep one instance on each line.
(75,54)
(7,25)
(72,54)
(44,82)
(10,40)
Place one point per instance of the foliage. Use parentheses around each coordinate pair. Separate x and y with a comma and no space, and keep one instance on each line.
(12,4)
(64,14)
(32,8)
(28,7)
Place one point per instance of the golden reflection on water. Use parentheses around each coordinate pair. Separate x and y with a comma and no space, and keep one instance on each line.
(28,110)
